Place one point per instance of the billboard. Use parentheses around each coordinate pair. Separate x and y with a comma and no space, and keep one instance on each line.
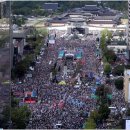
(129,93)
(127,124)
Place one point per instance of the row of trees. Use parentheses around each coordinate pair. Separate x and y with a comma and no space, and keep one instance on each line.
(108,55)
(102,112)
(103,93)
(19,114)
(33,50)
(19,20)
(14,116)
(34,8)
(109,58)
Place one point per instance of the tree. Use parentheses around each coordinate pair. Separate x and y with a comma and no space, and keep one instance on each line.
(107,68)
(95,115)
(118,70)
(20,70)
(128,112)
(109,37)
(103,42)
(5,117)
(102,92)
(43,32)
(22,67)
(14,102)
(110,56)
(90,124)
(127,66)
(20,116)
(104,111)
(119,83)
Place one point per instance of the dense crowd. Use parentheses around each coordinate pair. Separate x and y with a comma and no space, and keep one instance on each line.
(65,105)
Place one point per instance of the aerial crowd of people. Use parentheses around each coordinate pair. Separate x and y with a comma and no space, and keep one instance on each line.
(65,105)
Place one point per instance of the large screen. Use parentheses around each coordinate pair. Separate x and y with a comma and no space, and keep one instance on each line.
(127,124)
(129,93)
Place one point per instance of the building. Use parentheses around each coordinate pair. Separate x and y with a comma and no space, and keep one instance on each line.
(94,9)
(3,8)
(19,41)
(105,21)
(118,49)
(127,85)
(50,6)
(128,31)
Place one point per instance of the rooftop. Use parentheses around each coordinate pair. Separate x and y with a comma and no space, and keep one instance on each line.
(90,8)
(102,22)
(77,20)
(52,6)
(105,18)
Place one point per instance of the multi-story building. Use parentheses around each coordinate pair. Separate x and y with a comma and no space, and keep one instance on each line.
(127,85)
(128,32)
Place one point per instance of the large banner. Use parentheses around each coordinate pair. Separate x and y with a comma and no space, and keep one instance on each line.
(127,124)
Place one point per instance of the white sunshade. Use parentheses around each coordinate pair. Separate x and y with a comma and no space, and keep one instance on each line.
(31,68)
(69,54)
(52,41)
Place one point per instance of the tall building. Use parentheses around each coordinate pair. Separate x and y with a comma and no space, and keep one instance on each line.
(127,85)
(128,32)
(3,9)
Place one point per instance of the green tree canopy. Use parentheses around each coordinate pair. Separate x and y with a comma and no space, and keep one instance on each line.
(95,115)
(6,116)
(110,56)
(20,116)
(128,112)
(118,70)
(103,42)
(104,112)
(107,68)
(90,124)
(119,83)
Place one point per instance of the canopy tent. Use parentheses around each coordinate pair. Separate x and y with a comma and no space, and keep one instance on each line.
(61,54)
(34,93)
(61,104)
(62,82)
(78,55)
(109,96)
(98,83)
(93,96)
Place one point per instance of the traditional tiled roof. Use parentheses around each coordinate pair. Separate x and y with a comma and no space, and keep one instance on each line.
(50,6)
(90,8)
(102,22)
